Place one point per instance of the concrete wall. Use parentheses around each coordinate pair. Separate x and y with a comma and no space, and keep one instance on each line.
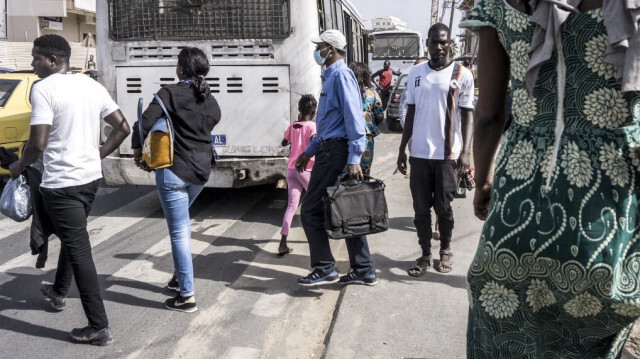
(27,28)
(22,28)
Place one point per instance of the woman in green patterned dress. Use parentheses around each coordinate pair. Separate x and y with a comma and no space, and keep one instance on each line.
(557,271)
(372,109)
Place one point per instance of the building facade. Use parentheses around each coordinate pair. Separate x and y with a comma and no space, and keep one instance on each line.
(387,23)
(22,21)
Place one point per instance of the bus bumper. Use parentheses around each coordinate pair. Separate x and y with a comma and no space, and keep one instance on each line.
(230,172)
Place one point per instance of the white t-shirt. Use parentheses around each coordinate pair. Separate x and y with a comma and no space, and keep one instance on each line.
(73,105)
(438,97)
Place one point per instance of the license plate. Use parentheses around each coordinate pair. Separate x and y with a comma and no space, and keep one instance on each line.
(219,140)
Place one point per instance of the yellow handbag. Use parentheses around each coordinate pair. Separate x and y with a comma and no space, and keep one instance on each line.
(157,148)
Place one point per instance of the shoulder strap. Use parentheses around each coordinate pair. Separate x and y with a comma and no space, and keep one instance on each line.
(140,107)
(456,71)
(166,113)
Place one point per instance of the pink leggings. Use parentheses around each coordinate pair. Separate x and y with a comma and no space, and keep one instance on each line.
(296,181)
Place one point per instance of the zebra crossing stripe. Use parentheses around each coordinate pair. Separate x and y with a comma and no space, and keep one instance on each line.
(221,219)
(100,229)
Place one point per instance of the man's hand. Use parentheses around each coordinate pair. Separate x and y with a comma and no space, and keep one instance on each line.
(15,169)
(482,201)
(355,172)
(302,162)
(402,162)
(140,163)
(463,164)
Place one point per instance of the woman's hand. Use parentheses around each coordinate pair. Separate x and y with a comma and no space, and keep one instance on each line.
(140,163)
(482,201)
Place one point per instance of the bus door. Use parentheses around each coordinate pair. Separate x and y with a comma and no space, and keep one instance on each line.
(348,30)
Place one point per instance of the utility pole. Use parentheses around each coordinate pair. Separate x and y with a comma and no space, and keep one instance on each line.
(435,5)
(453,8)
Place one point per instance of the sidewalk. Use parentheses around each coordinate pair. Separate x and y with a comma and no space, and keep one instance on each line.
(403,316)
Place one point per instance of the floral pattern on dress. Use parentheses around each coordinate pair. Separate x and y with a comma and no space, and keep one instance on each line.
(594,56)
(584,305)
(524,107)
(539,295)
(519,57)
(499,301)
(371,106)
(614,164)
(522,161)
(516,21)
(606,108)
(629,308)
(577,165)
(560,263)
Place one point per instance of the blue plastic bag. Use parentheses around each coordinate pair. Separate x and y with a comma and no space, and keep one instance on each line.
(15,202)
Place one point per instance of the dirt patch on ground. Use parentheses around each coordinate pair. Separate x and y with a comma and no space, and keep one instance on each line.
(632,346)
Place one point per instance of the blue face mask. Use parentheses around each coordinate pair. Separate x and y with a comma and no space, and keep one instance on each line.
(318,57)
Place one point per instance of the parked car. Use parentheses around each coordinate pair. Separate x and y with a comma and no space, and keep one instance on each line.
(393,107)
(15,111)
(5,70)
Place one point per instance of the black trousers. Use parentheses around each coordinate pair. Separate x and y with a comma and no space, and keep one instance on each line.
(330,162)
(433,183)
(68,209)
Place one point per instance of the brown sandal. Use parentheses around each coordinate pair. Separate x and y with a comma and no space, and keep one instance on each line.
(286,251)
(445,264)
(420,268)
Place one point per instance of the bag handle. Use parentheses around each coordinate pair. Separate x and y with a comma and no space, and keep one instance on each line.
(140,107)
(342,183)
(166,113)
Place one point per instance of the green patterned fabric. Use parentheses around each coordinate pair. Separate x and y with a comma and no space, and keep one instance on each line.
(557,271)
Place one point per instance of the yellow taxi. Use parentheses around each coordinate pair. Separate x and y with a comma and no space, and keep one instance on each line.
(15,111)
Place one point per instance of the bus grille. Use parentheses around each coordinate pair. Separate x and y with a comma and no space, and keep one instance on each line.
(198,19)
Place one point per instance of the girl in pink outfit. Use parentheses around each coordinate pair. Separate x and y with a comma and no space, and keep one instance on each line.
(298,134)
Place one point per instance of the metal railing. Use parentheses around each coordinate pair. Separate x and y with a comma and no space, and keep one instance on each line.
(198,19)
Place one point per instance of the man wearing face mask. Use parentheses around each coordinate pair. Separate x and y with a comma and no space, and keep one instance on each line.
(340,142)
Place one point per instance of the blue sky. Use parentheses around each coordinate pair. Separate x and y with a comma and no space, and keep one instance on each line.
(416,13)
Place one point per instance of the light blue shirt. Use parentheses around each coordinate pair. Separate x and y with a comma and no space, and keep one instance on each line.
(340,112)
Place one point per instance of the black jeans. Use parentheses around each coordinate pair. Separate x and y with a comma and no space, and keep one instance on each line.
(68,209)
(433,183)
(330,163)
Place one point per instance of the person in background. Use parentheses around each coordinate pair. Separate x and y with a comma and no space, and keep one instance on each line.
(298,135)
(91,63)
(384,83)
(194,113)
(339,144)
(65,131)
(439,124)
(555,274)
(372,110)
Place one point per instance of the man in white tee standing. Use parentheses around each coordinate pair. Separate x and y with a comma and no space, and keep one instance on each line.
(65,130)
(439,124)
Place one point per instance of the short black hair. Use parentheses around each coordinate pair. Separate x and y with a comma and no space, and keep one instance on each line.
(341,52)
(466,62)
(53,45)
(437,27)
(307,105)
(387,62)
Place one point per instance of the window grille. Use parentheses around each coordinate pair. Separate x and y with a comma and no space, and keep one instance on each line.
(198,19)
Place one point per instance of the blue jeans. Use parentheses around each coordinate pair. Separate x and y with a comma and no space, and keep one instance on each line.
(176,197)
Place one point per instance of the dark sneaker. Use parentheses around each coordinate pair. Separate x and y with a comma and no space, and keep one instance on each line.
(173,284)
(181,304)
(354,278)
(58,302)
(100,337)
(317,277)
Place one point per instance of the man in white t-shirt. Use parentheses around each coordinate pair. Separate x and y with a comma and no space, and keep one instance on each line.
(439,124)
(65,130)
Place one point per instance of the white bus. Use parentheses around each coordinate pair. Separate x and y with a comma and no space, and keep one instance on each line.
(261,63)
(400,47)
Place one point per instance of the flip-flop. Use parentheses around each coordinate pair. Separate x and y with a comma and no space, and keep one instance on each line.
(445,264)
(420,268)
(282,254)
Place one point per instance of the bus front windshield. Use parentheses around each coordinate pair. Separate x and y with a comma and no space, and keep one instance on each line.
(396,46)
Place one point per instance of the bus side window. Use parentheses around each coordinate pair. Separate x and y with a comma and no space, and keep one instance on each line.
(328,20)
(339,17)
(321,24)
